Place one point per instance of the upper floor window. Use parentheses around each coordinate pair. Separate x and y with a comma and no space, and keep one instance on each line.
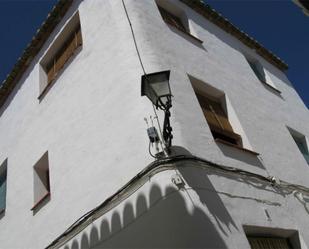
(172,20)
(60,52)
(221,117)
(261,74)
(63,55)
(217,120)
(3,179)
(301,143)
(175,18)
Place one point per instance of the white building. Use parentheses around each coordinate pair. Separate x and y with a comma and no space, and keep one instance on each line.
(73,139)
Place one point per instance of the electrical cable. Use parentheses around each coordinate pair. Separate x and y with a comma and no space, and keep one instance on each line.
(143,68)
(134,39)
(164,164)
(149,150)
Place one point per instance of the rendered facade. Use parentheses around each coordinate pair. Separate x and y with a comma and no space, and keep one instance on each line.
(75,170)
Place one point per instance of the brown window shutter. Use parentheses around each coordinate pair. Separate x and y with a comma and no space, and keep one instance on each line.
(71,47)
(218,121)
(51,73)
(79,37)
(268,243)
(214,113)
(63,55)
(60,61)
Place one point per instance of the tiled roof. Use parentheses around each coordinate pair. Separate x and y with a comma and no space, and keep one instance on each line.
(60,9)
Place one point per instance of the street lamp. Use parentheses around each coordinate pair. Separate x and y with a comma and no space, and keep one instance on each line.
(156,87)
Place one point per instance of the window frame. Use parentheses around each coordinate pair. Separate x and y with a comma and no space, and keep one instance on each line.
(299,138)
(199,87)
(261,74)
(41,182)
(177,23)
(291,235)
(61,52)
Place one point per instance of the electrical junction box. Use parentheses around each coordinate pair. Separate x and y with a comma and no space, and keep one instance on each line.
(153,134)
(177,180)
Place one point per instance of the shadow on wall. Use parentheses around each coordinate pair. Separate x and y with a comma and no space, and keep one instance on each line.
(164,222)
(239,155)
(201,185)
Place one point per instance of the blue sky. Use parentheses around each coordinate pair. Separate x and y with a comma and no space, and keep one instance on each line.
(279,25)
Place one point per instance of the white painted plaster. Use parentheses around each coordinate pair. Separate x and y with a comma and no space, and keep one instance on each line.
(91,123)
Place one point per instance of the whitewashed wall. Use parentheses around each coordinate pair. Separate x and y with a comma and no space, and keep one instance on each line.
(91,122)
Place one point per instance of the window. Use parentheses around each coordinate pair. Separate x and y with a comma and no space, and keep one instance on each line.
(63,55)
(268,243)
(272,238)
(174,18)
(221,117)
(261,74)
(41,186)
(217,120)
(3,179)
(60,52)
(301,143)
(258,70)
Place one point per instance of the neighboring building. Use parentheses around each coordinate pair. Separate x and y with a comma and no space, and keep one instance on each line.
(73,139)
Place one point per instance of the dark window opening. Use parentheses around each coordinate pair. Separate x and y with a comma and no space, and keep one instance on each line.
(269,243)
(3,186)
(172,20)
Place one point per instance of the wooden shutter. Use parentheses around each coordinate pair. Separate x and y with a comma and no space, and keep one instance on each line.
(79,37)
(3,190)
(51,73)
(64,54)
(217,120)
(172,20)
(269,243)
(214,114)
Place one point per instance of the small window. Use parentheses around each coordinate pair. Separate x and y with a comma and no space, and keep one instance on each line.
(41,186)
(258,70)
(269,243)
(261,73)
(217,120)
(60,52)
(172,20)
(3,179)
(272,238)
(301,143)
(221,117)
(63,55)
(176,18)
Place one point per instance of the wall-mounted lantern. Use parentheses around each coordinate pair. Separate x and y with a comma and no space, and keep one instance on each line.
(156,87)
